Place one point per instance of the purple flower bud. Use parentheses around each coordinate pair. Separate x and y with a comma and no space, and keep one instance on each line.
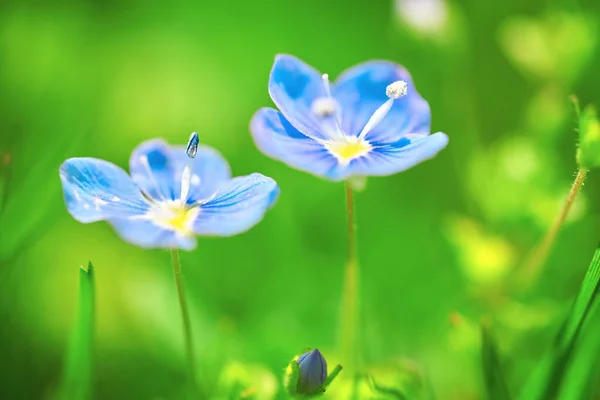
(313,372)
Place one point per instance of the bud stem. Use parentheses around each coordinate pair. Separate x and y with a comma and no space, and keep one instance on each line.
(538,257)
(187,325)
(350,307)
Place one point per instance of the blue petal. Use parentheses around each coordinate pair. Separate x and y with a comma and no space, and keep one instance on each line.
(96,190)
(238,205)
(360,91)
(293,86)
(277,138)
(144,233)
(388,159)
(161,178)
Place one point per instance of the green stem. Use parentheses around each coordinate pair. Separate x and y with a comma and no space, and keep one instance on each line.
(536,260)
(350,306)
(187,325)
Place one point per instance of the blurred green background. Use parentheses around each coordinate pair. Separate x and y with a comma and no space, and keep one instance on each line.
(439,244)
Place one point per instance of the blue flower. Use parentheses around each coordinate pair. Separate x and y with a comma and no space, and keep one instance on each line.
(172,195)
(371,122)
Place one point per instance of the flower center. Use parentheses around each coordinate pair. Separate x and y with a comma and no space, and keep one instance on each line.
(349,149)
(174,216)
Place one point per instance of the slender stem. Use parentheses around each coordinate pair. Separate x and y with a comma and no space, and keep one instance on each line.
(187,325)
(350,306)
(538,257)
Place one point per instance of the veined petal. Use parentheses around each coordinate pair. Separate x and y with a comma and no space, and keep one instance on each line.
(157,168)
(96,190)
(239,204)
(388,159)
(275,136)
(361,90)
(294,86)
(146,234)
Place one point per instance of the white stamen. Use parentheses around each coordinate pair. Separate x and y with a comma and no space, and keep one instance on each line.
(396,90)
(326,107)
(325,78)
(186,180)
(186,175)
(393,91)
(146,164)
(376,118)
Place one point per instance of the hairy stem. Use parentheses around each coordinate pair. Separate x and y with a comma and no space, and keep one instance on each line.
(538,257)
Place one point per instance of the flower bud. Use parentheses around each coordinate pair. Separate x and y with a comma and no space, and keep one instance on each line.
(588,154)
(313,372)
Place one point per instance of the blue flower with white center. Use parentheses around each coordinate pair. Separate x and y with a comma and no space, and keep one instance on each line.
(173,194)
(370,122)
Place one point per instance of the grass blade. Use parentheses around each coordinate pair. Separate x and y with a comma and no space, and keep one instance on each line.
(546,382)
(580,379)
(77,377)
(496,386)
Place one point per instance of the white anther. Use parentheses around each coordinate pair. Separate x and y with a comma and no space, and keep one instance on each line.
(323,106)
(396,90)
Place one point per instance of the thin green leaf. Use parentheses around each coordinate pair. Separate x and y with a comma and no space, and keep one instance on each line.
(496,386)
(580,379)
(77,377)
(548,378)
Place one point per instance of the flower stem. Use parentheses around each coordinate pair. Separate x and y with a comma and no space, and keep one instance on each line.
(538,257)
(350,306)
(187,325)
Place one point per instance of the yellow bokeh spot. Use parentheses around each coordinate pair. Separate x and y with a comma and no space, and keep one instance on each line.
(484,257)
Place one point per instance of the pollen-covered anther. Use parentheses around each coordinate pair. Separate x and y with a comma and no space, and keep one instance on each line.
(396,90)
(192,147)
(323,106)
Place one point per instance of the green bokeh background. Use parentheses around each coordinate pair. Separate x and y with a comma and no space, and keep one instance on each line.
(91,78)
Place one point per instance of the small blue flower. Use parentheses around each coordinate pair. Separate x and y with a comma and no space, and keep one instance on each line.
(173,194)
(371,122)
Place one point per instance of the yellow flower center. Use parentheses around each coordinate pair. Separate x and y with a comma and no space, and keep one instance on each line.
(174,216)
(348,149)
